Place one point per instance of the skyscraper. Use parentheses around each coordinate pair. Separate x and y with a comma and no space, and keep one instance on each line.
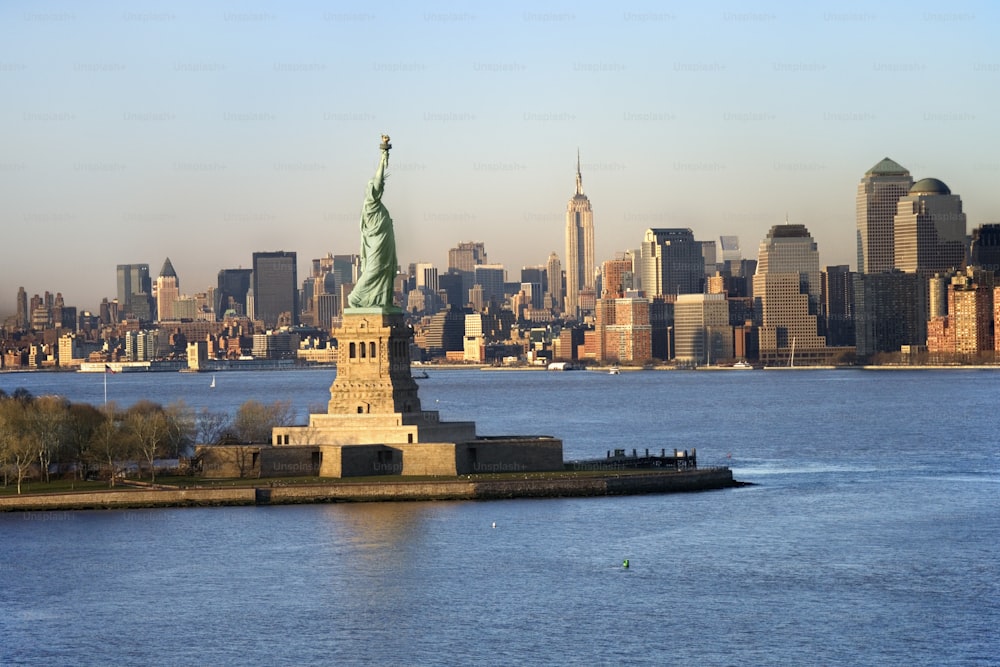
(786,291)
(346,268)
(838,303)
(553,269)
(929,229)
(427,276)
(491,278)
(466,255)
(23,317)
(536,274)
(878,192)
(231,293)
(167,292)
(890,311)
(135,291)
(671,262)
(275,288)
(968,326)
(622,330)
(709,255)
(702,334)
(984,251)
(730,249)
(318,299)
(616,277)
(463,260)
(579,246)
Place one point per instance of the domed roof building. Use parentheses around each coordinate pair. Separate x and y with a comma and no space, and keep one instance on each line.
(929,229)
(929,186)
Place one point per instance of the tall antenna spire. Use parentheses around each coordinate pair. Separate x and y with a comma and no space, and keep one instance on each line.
(579,178)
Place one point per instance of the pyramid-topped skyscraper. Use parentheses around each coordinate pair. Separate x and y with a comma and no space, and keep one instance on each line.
(878,194)
(168,289)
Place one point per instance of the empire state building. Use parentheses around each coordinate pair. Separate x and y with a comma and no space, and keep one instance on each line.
(579,246)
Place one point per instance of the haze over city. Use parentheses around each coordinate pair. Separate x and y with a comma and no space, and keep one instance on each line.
(206,133)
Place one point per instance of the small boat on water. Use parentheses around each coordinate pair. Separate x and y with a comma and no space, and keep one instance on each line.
(743,364)
(419,375)
(614,371)
(212,386)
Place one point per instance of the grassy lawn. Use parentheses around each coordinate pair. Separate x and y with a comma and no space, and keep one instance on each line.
(55,486)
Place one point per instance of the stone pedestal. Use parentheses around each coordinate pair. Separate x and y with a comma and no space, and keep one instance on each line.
(375,426)
(373,365)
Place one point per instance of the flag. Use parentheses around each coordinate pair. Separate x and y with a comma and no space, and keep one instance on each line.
(108,369)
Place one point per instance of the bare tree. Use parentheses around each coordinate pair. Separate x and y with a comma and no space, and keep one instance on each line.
(253,424)
(84,419)
(245,459)
(150,429)
(210,427)
(110,444)
(48,423)
(17,447)
(255,421)
(6,436)
(181,428)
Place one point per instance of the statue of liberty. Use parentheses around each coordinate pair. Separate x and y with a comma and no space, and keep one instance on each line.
(374,288)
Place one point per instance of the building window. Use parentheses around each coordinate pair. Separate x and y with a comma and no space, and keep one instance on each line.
(354,350)
(371,350)
(362,350)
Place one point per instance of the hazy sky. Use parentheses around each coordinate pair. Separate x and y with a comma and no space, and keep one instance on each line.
(206,131)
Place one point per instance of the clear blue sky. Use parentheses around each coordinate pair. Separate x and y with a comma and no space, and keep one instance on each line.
(206,131)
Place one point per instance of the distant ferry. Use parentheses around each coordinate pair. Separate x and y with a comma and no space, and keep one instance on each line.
(561,366)
(743,364)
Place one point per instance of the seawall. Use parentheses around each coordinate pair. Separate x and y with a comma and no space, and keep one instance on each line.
(557,486)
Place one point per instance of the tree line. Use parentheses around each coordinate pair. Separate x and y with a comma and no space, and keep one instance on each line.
(45,435)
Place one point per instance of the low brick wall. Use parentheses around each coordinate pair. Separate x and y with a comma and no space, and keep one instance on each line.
(447,489)
(532,487)
(692,480)
(609,485)
(369,492)
(130,498)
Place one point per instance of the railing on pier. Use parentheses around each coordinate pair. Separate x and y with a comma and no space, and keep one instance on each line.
(680,459)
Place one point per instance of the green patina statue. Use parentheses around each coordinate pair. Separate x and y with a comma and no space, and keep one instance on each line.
(374,288)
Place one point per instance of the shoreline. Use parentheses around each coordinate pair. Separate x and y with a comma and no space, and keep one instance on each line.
(560,485)
(598,369)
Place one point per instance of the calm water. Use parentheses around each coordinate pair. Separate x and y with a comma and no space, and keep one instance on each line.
(871,537)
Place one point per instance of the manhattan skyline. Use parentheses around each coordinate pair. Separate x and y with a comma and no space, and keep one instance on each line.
(206,134)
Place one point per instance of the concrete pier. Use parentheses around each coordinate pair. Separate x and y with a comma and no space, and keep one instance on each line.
(555,485)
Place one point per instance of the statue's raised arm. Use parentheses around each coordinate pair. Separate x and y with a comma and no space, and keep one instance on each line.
(374,288)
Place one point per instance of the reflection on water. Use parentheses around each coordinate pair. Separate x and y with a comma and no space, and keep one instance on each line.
(376,530)
(861,543)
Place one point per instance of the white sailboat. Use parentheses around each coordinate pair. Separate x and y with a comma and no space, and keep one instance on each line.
(212,386)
